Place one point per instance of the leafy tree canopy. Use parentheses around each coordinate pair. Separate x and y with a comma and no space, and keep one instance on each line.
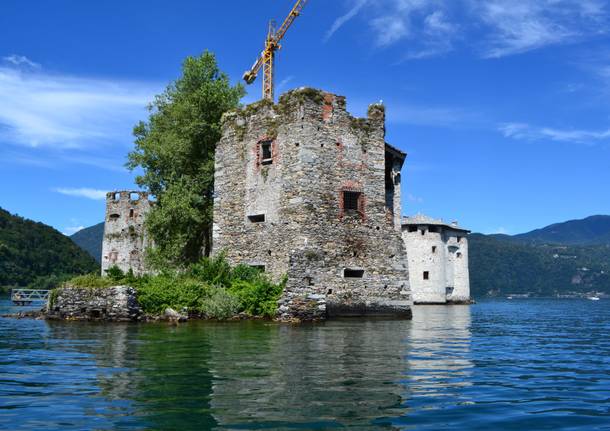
(175,150)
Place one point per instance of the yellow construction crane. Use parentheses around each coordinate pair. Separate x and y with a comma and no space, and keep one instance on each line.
(272,43)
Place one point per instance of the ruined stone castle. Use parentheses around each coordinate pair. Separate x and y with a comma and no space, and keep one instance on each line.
(306,191)
(125,238)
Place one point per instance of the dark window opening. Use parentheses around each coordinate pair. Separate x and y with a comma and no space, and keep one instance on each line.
(423,232)
(131,213)
(329,292)
(459,255)
(449,290)
(351,201)
(426,275)
(113,217)
(353,273)
(412,228)
(433,249)
(459,239)
(261,268)
(266,154)
(257,218)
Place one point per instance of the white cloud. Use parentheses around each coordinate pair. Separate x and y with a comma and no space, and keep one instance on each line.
(495,28)
(71,230)
(527,132)
(82,192)
(339,22)
(21,60)
(61,112)
(283,83)
(413,198)
(389,29)
(520,26)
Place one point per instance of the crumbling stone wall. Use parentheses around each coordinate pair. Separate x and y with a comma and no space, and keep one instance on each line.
(125,237)
(301,189)
(118,303)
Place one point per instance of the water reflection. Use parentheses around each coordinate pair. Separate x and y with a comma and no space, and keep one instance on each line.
(243,375)
(512,365)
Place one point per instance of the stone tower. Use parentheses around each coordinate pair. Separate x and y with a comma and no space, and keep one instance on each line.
(304,189)
(124,234)
(438,260)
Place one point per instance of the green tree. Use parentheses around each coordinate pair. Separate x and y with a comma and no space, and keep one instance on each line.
(175,150)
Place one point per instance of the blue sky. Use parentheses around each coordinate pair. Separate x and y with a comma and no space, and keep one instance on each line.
(502,106)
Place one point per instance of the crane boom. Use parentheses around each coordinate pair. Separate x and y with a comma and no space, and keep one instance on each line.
(267,56)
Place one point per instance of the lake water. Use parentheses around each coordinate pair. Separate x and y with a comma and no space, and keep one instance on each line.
(521,364)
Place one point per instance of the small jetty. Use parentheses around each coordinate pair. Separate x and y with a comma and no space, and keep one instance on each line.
(27,296)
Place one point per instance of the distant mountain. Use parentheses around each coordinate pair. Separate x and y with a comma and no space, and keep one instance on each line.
(501,265)
(591,230)
(32,252)
(90,240)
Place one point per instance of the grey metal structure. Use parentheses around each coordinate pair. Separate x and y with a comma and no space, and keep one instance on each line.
(27,296)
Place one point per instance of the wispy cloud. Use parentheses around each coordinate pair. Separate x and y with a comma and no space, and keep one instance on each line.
(82,192)
(20,60)
(493,28)
(61,112)
(283,83)
(413,198)
(339,22)
(527,132)
(71,230)
(520,26)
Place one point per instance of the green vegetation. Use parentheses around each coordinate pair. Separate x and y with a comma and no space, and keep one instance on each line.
(175,149)
(501,265)
(210,288)
(34,254)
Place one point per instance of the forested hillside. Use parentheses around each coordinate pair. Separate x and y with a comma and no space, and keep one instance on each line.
(32,252)
(501,265)
(90,240)
(589,231)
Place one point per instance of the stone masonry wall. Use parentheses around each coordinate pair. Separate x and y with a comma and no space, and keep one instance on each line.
(438,262)
(317,152)
(125,237)
(117,303)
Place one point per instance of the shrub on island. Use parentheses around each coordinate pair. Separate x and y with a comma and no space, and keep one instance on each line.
(210,288)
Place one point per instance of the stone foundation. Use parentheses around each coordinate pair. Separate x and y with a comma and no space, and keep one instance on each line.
(118,303)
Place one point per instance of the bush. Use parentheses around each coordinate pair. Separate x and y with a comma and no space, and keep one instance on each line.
(157,293)
(209,287)
(258,297)
(221,304)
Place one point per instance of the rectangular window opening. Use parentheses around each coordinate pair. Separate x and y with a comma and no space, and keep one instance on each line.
(353,273)
(426,275)
(433,249)
(261,268)
(351,200)
(266,154)
(256,218)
